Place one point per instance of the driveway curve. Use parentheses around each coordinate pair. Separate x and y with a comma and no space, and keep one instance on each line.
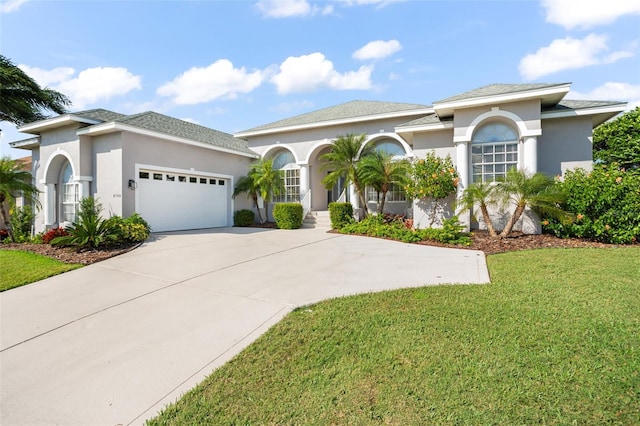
(114,342)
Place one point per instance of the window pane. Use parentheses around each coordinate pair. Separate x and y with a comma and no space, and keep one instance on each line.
(499,148)
(476,149)
(500,168)
(487,169)
(487,158)
(499,158)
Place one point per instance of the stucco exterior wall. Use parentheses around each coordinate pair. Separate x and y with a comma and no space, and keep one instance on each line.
(440,141)
(107,188)
(564,140)
(140,149)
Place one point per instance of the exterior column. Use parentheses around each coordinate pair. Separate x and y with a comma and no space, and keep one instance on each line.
(353,196)
(49,206)
(462,166)
(304,178)
(530,154)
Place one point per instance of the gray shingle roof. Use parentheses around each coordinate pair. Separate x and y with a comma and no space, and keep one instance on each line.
(347,110)
(99,114)
(425,121)
(183,129)
(573,104)
(498,89)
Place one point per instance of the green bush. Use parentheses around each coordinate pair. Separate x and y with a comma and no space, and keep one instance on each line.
(90,230)
(21,221)
(134,229)
(243,217)
(341,214)
(605,204)
(397,229)
(288,215)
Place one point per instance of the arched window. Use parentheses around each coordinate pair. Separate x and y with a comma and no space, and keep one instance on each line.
(389,146)
(69,194)
(494,150)
(286,163)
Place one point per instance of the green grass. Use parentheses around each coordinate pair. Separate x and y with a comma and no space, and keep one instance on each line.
(21,267)
(554,340)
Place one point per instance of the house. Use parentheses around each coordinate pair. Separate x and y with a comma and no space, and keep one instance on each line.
(176,174)
(485,131)
(179,175)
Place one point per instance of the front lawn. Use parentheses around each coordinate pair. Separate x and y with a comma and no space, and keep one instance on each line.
(554,340)
(21,267)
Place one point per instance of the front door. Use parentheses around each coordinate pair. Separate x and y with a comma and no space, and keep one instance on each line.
(334,193)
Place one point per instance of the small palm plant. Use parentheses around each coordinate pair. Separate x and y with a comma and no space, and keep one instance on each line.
(14,180)
(480,194)
(537,191)
(89,231)
(381,171)
(247,184)
(268,181)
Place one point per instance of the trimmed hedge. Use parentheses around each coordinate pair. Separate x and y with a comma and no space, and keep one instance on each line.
(288,215)
(341,214)
(243,217)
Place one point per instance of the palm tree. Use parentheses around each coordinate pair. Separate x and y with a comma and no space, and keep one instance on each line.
(267,180)
(342,163)
(537,191)
(22,99)
(480,193)
(14,180)
(248,185)
(381,171)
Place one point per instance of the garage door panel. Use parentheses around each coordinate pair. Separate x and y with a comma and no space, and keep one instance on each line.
(174,205)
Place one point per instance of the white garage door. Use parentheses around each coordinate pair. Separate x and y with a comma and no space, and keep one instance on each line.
(175,201)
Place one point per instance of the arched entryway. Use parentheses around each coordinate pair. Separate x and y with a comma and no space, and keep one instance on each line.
(63,190)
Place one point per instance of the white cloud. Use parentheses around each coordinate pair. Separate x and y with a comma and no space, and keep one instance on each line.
(9,6)
(568,53)
(218,80)
(290,8)
(310,72)
(612,90)
(588,13)
(89,86)
(377,50)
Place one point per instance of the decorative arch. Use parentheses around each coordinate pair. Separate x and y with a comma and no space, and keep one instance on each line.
(270,151)
(54,166)
(498,115)
(318,146)
(408,152)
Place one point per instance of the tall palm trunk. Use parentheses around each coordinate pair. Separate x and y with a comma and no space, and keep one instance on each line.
(487,220)
(512,220)
(5,218)
(255,203)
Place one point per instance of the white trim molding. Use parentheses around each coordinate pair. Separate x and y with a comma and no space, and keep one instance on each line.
(523,131)
(267,152)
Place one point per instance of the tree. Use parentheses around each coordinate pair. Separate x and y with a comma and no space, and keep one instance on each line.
(267,180)
(618,141)
(14,180)
(433,177)
(481,194)
(22,99)
(342,162)
(537,191)
(246,184)
(381,171)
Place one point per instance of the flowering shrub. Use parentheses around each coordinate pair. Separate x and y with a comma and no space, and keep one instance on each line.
(434,178)
(53,233)
(3,234)
(605,203)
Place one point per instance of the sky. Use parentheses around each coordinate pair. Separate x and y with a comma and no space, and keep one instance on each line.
(234,65)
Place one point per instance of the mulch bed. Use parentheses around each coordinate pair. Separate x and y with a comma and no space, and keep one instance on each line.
(480,241)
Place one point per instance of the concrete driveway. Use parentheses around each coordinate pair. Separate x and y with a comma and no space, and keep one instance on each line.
(114,342)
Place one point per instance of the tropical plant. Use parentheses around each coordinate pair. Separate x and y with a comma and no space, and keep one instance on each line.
(342,162)
(243,217)
(433,178)
(537,191)
(480,194)
(268,181)
(618,141)
(247,184)
(380,170)
(90,230)
(14,180)
(22,99)
(341,214)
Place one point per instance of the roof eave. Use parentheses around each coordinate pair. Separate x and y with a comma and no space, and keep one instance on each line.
(548,95)
(30,143)
(112,127)
(599,114)
(52,123)
(328,123)
(424,127)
